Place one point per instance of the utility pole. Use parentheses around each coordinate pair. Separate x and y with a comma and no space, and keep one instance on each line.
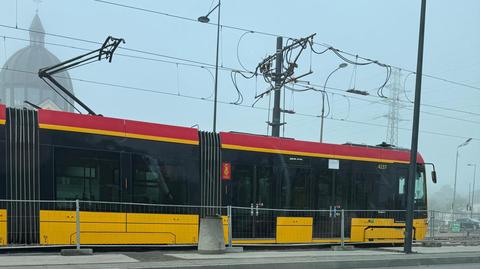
(407,248)
(278,89)
(279,76)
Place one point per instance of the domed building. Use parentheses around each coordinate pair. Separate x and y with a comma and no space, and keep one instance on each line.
(19,81)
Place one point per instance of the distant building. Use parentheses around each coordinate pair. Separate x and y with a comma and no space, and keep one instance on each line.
(19,80)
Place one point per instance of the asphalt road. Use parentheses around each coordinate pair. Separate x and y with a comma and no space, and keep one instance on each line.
(446,266)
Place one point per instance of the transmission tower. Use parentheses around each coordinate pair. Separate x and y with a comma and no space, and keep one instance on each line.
(393,116)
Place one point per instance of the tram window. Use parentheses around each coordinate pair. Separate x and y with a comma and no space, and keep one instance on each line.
(419,185)
(401,185)
(321,185)
(343,185)
(294,188)
(158,182)
(265,184)
(242,185)
(87,175)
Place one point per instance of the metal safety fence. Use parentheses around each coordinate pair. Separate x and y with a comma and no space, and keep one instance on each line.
(453,226)
(76,223)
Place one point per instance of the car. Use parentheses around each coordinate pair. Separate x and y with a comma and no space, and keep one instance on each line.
(469,224)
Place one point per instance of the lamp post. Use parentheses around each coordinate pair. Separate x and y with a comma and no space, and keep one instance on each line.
(205,19)
(473,188)
(342,65)
(456,167)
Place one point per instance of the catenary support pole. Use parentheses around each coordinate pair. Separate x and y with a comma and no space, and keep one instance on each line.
(278,89)
(216,73)
(413,150)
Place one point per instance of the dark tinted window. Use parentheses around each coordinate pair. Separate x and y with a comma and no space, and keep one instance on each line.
(87,175)
(159,181)
(321,186)
(242,185)
(265,186)
(294,187)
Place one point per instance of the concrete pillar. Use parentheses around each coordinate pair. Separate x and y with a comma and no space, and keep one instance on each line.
(210,238)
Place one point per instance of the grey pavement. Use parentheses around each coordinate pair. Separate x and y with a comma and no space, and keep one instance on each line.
(446,266)
(286,258)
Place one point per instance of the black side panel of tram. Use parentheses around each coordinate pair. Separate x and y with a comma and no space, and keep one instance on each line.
(210,173)
(22,176)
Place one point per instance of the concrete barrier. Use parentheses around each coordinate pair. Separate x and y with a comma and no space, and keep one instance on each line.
(210,238)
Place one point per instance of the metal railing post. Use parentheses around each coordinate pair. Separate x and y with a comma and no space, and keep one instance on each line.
(342,228)
(229,214)
(77,223)
(432,226)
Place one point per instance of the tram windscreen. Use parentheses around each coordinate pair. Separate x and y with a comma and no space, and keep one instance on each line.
(419,191)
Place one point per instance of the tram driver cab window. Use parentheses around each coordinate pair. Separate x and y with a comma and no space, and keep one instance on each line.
(401,185)
(419,191)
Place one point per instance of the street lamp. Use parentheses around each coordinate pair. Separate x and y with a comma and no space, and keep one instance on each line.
(342,65)
(473,189)
(456,166)
(205,19)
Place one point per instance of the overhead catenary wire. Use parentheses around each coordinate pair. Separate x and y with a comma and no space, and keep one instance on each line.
(185,62)
(205,65)
(337,51)
(327,46)
(355,96)
(238,52)
(229,103)
(240,72)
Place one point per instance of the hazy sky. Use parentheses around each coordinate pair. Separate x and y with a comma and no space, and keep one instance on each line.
(383,30)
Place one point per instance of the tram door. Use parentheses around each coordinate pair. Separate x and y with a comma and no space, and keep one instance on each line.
(252,189)
(328,191)
(263,220)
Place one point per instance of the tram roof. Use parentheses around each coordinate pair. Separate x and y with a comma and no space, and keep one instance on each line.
(66,121)
(268,144)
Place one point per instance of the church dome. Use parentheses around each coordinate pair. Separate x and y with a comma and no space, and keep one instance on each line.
(19,79)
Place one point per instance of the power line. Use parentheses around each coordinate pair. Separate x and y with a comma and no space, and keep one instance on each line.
(193,63)
(186,18)
(337,51)
(382,98)
(232,104)
(236,87)
(182,61)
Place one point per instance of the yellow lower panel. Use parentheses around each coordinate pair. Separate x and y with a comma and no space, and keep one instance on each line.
(148,238)
(294,230)
(57,233)
(421,227)
(225,229)
(169,228)
(386,233)
(3,227)
(253,241)
(328,240)
(168,233)
(383,230)
(58,227)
